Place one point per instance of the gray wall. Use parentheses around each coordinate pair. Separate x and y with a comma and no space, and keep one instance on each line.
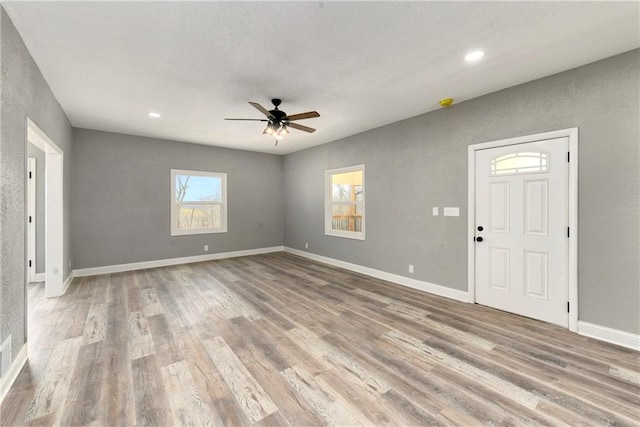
(421,162)
(121,199)
(23,93)
(41,158)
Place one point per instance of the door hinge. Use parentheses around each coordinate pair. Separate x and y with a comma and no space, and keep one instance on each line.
(29,175)
(29,263)
(568,231)
(29,219)
(568,307)
(568,156)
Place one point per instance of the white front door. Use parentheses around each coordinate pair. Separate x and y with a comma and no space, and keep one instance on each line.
(522,230)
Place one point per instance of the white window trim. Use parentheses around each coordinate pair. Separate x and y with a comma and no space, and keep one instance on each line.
(175,231)
(328,204)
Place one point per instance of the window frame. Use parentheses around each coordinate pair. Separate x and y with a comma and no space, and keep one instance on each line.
(175,231)
(329,203)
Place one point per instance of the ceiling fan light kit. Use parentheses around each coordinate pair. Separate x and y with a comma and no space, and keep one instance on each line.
(277,130)
(278,121)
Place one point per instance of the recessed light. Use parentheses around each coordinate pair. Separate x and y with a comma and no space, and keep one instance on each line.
(154,115)
(474,56)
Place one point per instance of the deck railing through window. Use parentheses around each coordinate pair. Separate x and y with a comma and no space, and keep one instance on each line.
(347,222)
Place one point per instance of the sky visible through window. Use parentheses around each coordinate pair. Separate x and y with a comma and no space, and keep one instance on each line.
(201,188)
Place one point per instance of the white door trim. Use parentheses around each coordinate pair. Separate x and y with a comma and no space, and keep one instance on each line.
(54,244)
(31,213)
(572,135)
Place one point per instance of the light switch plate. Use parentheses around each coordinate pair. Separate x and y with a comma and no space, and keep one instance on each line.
(451,211)
(434,211)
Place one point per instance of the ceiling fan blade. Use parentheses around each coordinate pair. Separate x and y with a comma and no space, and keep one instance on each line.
(300,127)
(261,109)
(253,120)
(307,115)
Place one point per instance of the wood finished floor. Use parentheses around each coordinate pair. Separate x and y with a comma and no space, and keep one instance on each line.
(279,340)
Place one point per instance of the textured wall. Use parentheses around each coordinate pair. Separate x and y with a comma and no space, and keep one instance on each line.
(422,162)
(121,199)
(41,158)
(24,93)
(4,317)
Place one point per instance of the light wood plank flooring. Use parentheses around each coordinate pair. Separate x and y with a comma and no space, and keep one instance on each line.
(279,340)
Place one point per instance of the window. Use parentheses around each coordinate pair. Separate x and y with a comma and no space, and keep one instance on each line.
(344,202)
(198,202)
(518,163)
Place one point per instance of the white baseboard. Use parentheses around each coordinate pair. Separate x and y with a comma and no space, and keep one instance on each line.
(171,261)
(610,335)
(379,274)
(16,366)
(40,277)
(67,282)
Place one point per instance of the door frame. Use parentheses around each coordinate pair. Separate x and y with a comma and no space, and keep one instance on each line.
(572,135)
(54,210)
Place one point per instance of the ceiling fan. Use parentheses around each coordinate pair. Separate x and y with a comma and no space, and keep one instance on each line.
(278,121)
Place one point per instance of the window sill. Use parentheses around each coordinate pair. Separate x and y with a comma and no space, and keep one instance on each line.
(345,235)
(196,232)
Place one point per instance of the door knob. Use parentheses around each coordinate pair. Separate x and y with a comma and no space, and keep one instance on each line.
(480,228)
(479,239)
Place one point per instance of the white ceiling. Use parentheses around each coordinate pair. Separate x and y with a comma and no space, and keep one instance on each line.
(361,65)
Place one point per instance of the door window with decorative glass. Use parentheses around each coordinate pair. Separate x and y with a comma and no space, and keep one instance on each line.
(344,202)
(198,202)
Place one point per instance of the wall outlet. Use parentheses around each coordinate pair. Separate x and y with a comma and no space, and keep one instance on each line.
(411,268)
(434,211)
(206,248)
(306,246)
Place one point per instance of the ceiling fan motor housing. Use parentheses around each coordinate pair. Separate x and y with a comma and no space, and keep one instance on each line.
(277,114)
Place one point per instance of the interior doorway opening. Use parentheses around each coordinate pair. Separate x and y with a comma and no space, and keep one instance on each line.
(53,209)
(36,162)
